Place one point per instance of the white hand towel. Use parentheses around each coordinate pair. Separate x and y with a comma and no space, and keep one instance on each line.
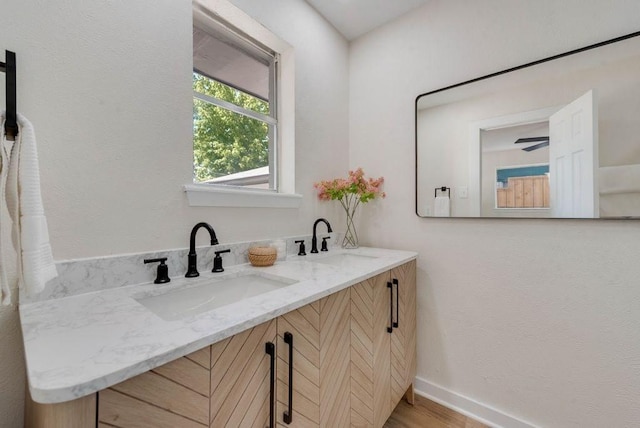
(619,179)
(8,256)
(29,232)
(441,207)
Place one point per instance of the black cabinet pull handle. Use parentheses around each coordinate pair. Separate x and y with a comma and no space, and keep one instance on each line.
(270,349)
(396,324)
(288,414)
(390,328)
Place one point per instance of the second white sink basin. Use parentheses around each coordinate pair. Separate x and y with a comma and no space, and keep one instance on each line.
(344,259)
(213,294)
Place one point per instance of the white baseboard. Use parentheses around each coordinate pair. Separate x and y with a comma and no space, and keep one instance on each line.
(467,406)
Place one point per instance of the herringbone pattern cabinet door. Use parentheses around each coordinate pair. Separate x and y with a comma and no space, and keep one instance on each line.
(335,338)
(175,395)
(370,356)
(321,348)
(403,339)
(304,326)
(410,323)
(240,376)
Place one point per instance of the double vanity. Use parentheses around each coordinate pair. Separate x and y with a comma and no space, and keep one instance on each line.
(325,340)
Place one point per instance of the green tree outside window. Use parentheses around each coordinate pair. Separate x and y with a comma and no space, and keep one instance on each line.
(226,142)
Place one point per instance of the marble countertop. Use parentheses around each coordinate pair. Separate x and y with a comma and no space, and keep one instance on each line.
(78,345)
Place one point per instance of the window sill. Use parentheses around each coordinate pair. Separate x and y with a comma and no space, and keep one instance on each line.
(206,195)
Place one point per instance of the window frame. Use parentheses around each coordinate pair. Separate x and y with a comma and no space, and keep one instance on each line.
(253,49)
(222,12)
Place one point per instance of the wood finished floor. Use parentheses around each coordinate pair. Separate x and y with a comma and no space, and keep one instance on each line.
(427,414)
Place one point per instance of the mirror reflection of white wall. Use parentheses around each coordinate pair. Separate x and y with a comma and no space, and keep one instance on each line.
(446,120)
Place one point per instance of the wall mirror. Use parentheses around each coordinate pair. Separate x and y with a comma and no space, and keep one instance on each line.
(556,138)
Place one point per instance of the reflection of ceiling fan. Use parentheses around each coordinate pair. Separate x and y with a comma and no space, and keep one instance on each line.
(542,142)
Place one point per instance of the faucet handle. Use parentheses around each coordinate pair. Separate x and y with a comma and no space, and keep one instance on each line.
(324,243)
(217,261)
(301,250)
(162,275)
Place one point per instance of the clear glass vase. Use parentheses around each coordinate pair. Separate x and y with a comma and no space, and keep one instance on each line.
(350,240)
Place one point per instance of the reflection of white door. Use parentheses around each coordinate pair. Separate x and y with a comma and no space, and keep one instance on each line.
(573,159)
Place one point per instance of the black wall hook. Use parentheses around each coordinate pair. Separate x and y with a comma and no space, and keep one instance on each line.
(9,68)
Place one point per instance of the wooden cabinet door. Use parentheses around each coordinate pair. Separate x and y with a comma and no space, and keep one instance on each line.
(370,352)
(335,342)
(227,384)
(301,328)
(383,344)
(175,395)
(320,333)
(241,378)
(403,338)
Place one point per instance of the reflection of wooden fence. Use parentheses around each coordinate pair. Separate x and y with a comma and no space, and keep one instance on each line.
(524,192)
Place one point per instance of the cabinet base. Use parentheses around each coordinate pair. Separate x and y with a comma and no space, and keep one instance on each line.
(410,396)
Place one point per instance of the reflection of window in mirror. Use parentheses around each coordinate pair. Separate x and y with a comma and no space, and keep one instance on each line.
(515,170)
(522,187)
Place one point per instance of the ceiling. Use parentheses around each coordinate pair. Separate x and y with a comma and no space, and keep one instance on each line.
(504,138)
(354,18)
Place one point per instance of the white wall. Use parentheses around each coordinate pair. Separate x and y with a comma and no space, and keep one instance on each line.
(539,319)
(107,86)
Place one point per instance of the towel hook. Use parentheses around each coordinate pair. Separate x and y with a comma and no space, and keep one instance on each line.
(9,68)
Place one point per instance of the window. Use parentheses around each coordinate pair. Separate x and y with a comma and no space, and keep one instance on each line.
(522,186)
(234,109)
(243,78)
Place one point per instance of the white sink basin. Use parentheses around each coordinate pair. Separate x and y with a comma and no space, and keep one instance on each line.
(344,259)
(213,294)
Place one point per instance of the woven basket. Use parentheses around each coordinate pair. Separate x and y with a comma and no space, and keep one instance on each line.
(262,256)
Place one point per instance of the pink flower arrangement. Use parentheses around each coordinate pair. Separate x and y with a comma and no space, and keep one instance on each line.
(355,188)
(350,192)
